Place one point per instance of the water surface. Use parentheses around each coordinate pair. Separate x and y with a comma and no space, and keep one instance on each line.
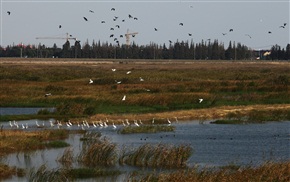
(212,144)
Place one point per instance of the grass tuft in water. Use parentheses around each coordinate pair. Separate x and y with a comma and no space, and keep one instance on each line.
(158,156)
(8,171)
(99,152)
(146,129)
(45,174)
(81,173)
(67,158)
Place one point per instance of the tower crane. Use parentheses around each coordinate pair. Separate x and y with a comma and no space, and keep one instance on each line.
(128,36)
(68,37)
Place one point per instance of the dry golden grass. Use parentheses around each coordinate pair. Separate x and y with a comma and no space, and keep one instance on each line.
(6,171)
(18,140)
(267,172)
(193,114)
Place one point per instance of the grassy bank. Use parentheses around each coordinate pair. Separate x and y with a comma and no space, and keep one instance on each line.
(21,141)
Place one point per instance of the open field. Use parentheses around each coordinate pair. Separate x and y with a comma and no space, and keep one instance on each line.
(170,88)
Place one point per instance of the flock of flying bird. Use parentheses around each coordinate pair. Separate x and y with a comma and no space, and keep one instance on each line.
(118,25)
(84,124)
(119,82)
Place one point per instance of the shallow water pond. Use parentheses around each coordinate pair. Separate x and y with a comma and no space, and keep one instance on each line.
(212,144)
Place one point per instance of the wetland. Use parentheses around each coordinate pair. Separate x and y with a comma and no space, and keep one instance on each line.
(241,126)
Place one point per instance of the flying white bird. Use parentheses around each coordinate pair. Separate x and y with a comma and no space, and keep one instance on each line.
(113,70)
(91,81)
(124,98)
(200,100)
(48,94)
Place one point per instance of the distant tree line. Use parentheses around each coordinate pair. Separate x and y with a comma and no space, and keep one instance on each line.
(205,50)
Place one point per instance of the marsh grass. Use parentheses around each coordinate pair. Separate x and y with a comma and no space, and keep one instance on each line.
(56,144)
(255,116)
(100,152)
(67,158)
(45,174)
(82,173)
(228,121)
(146,129)
(18,140)
(171,87)
(68,174)
(267,172)
(159,156)
(8,171)
(89,137)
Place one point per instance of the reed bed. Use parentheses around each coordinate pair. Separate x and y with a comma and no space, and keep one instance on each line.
(146,129)
(160,156)
(18,140)
(67,158)
(98,153)
(81,173)
(267,172)
(8,171)
(69,174)
(45,174)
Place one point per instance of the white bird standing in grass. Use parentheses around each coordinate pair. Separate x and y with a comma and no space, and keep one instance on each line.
(135,122)
(128,72)
(94,125)
(91,81)
(176,119)
(105,124)
(127,121)
(113,70)
(169,122)
(69,123)
(118,82)
(124,98)
(51,124)
(114,126)
(141,79)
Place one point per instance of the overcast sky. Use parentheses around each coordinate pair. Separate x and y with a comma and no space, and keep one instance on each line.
(250,20)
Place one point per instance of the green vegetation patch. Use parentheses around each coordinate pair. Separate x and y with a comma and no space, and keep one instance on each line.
(146,129)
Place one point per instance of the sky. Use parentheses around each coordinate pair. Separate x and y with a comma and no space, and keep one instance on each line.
(206,20)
